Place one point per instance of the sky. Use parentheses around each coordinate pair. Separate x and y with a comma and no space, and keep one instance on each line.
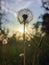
(11,8)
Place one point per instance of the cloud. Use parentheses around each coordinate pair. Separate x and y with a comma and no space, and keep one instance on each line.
(13,8)
(22,5)
(19,0)
(9,10)
(25,5)
(19,4)
(38,2)
(16,6)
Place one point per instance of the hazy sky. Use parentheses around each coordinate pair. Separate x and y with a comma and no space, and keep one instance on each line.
(11,7)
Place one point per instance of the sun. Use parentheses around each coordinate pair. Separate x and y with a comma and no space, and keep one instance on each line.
(20,29)
(20,32)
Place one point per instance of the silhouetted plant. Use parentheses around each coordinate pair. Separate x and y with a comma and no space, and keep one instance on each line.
(45,23)
(45,4)
(36,25)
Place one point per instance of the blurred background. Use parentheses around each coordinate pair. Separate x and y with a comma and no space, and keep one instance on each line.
(36,33)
